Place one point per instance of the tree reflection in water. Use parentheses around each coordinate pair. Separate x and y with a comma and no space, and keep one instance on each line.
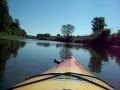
(97,55)
(114,53)
(8,48)
(65,51)
(101,55)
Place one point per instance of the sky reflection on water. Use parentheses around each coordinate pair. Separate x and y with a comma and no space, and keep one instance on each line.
(24,58)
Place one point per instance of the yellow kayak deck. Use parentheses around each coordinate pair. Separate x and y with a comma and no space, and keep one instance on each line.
(68,75)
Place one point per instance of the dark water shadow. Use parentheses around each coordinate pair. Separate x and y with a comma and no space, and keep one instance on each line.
(8,49)
(101,55)
(98,56)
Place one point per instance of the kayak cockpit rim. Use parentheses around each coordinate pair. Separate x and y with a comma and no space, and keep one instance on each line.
(68,67)
(54,75)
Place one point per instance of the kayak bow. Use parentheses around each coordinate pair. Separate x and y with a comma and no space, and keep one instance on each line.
(68,75)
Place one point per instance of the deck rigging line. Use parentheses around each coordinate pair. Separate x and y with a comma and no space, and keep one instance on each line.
(76,75)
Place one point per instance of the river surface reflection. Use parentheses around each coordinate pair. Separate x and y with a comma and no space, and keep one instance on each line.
(24,58)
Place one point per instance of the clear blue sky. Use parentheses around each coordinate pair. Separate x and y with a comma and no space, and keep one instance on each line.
(48,16)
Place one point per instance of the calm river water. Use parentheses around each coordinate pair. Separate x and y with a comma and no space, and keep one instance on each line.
(25,58)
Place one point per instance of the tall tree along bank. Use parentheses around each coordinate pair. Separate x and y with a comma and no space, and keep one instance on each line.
(7,24)
(100,33)
(67,30)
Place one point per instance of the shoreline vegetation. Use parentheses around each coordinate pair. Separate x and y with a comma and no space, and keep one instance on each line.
(100,37)
(113,40)
(11,37)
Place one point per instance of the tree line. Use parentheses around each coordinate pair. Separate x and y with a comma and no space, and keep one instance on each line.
(100,34)
(8,25)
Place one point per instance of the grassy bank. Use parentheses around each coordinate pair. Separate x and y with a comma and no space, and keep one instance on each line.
(10,37)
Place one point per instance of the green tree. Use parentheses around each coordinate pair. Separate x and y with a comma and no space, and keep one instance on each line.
(7,25)
(16,23)
(47,35)
(100,34)
(58,35)
(5,18)
(118,32)
(98,25)
(67,30)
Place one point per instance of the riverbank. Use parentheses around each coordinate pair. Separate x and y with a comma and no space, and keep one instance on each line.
(112,40)
(10,37)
